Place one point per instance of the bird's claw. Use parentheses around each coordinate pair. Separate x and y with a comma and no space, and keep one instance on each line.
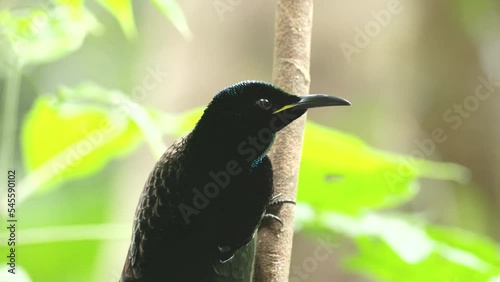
(275,202)
(275,217)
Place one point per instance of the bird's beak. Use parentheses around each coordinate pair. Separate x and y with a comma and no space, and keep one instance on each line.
(315,100)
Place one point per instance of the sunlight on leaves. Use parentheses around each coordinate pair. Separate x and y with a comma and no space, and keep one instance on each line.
(79,136)
(20,274)
(390,247)
(482,247)
(340,172)
(393,231)
(36,36)
(123,12)
(82,232)
(179,124)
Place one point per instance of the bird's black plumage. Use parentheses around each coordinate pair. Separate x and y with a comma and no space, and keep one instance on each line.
(206,196)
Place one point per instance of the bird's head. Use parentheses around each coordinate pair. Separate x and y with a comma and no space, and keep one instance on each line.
(256,105)
(255,108)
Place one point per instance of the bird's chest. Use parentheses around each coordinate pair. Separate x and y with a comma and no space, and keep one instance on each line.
(230,194)
(247,196)
(242,204)
(224,201)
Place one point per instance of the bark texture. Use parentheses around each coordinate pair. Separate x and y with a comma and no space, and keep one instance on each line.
(291,73)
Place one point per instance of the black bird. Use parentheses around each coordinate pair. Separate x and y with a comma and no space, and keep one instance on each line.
(207,194)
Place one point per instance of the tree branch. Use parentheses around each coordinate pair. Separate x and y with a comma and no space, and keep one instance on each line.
(291,73)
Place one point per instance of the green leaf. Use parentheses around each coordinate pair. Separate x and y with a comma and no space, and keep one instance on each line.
(178,124)
(377,260)
(78,134)
(482,247)
(341,173)
(391,247)
(68,233)
(73,223)
(174,13)
(123,12)
(395,232)
(476,15)
(38,36)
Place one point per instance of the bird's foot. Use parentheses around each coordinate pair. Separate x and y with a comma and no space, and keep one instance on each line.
(275,217)
(275,202)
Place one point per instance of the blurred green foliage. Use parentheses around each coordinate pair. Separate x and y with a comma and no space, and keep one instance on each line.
(36,36)
(88,134)
(77,132)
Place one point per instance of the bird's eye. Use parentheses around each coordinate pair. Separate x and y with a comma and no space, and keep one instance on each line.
(264,104)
